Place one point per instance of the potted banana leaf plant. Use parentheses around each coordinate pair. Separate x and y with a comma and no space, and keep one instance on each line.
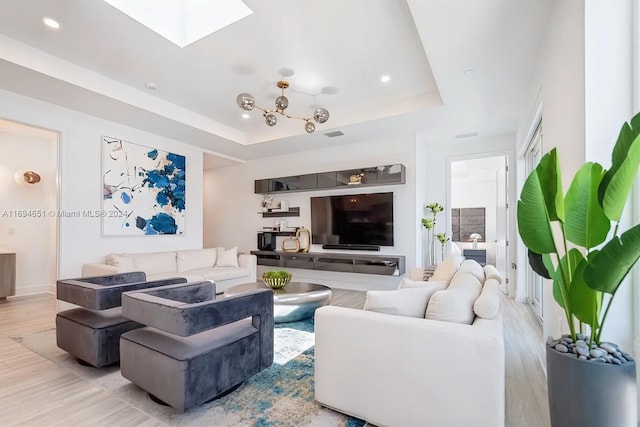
(575,240)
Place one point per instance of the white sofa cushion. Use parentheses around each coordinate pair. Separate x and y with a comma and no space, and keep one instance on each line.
(491,272)
(466,280)
(124,262)
(487,305)
(408,283)
(447,268)
(227,257)
(472,266)
(159,262)
(410,302)
(455,304)
(222,273)
(195,259)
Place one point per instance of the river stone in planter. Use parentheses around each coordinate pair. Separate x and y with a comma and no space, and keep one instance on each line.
(590,394)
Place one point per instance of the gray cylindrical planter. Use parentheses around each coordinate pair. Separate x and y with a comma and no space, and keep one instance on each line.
(590,394)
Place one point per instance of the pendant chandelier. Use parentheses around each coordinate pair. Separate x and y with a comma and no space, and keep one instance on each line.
(247,102)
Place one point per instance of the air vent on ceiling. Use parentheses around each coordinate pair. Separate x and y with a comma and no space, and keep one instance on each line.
(334,134)
(467,135)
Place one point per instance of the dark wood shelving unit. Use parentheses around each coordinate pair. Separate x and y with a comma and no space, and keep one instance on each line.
(393,174)
(386,265)
(278,214)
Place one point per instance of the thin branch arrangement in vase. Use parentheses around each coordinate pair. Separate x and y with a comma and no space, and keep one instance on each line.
(429,224)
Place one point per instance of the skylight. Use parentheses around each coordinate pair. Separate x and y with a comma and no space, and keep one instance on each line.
(183,21)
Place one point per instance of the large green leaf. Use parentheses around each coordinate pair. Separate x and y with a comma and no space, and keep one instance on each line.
(537,264)
(614,261)
(533,216)
(548,171)
(628,134)
(585,302)
(586,224)
(618,181)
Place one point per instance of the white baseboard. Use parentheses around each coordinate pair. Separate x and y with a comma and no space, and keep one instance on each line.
(45,288)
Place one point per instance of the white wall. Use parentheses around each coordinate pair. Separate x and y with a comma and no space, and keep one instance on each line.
(25,224)
(81,182)
(231,207)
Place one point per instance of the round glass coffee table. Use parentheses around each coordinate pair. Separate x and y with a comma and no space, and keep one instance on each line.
(296,301)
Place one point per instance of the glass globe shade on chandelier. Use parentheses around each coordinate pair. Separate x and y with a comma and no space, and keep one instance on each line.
(247,102)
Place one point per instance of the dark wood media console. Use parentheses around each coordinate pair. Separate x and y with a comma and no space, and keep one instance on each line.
(387,265)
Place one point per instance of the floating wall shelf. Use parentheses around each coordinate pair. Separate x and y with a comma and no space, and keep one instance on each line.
(349,178)
(277,213)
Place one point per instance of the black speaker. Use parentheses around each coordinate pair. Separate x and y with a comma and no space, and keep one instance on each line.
(267,241)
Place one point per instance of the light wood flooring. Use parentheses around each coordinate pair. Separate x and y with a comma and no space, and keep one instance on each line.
(36,392)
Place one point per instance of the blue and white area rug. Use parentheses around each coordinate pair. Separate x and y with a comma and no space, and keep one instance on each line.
(281,395)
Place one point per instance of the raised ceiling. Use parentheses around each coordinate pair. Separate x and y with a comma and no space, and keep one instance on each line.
(99,61)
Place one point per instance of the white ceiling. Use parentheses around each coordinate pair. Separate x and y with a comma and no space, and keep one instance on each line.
(100,59)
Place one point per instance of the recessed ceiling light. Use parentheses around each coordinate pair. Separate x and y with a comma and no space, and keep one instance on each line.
(151,85)
(51,23)
(245,116)
(468,72)
(385,78)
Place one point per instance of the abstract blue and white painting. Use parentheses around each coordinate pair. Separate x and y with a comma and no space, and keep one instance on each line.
(143,190)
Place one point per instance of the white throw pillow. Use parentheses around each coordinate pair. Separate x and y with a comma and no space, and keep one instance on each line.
(408,283)
(409,302)
(452,305)
(227,257)
(465,280)
(472,266)
(122,261)
(487,305)
(447,268)
(492,273)
(199,258)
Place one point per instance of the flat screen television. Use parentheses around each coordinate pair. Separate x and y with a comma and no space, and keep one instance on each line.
(353,219)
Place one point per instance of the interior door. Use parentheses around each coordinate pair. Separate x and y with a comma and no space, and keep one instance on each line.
(502,224)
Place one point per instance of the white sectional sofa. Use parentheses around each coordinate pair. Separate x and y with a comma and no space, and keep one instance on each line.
(225,267)
(395,364)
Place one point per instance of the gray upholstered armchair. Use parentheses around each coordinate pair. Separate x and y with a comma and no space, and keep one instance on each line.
(195,348)
(91,332)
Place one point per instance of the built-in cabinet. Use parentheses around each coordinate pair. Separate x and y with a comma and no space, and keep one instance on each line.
(360,177)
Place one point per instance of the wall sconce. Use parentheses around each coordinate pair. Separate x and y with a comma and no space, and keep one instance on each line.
(475,237)
(26,177)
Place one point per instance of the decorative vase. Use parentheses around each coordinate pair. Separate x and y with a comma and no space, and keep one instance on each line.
(431,249)
(590,394)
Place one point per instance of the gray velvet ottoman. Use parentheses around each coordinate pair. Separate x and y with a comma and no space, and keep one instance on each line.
(195,348)
(91,333)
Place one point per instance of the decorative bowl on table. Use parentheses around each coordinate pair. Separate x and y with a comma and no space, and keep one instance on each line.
(276,279)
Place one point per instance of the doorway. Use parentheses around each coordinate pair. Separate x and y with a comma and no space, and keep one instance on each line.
(480,190)
(29,204)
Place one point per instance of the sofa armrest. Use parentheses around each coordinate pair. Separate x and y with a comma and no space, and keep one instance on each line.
(105,294)
(394,370)
(249,261)
(97,269)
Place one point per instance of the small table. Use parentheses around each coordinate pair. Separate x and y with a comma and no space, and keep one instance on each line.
(296,301)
